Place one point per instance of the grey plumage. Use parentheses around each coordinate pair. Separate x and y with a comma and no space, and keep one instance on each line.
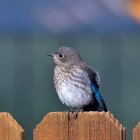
(75,81)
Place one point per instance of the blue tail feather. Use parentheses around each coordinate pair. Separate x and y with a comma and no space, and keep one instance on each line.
(98,97)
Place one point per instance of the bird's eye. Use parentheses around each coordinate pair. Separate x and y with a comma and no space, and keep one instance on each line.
(61,55)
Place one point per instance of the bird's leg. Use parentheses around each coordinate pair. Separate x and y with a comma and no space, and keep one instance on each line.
(77,111)
(70,110)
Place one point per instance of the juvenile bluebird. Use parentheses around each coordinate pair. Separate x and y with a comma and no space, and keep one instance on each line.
(76,83)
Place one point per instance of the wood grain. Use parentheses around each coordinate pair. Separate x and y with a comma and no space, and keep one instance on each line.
(136,132)
(9,128)
(87,126)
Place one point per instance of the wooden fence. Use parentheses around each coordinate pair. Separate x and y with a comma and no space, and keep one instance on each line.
(9,128)
(136,132)
(57,126)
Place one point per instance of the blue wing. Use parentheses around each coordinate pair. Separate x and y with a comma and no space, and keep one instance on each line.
(98,97)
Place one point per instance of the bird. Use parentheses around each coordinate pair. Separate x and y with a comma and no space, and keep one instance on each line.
(76,83)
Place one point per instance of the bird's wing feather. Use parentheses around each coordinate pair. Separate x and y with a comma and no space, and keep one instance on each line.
(95,79)
(98,97)
(93,74)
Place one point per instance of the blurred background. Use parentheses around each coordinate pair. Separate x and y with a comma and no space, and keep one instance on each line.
(107,35)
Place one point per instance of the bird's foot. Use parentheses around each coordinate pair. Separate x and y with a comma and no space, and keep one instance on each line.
(68,113)
(76,113)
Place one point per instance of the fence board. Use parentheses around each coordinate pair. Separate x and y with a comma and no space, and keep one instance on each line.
(88,126)
(136,132)
(9,128)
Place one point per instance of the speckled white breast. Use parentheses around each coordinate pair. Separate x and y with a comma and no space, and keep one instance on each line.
(73,86)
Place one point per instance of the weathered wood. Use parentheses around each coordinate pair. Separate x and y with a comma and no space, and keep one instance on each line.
(88,126)
(136,132)
(9,128)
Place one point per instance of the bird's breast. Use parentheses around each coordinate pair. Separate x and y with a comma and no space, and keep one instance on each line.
(73,87)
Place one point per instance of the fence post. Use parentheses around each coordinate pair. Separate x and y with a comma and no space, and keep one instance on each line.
(136,132)
(88,126)
(9,128)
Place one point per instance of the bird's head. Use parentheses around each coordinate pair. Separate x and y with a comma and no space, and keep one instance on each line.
(66,57)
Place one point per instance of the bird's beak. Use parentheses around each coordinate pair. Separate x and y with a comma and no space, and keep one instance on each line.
(50,54)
